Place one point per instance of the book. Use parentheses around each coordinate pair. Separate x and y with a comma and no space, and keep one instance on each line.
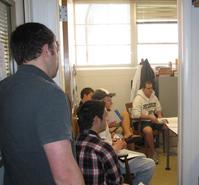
(172,123)
(162,120)
(169,120)
(131,154)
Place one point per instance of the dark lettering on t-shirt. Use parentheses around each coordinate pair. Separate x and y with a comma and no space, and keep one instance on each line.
(149,105)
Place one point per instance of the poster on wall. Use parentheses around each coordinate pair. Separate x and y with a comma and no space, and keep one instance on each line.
(2,63)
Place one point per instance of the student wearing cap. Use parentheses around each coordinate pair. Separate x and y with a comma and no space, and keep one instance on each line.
(119,124)
(140,166)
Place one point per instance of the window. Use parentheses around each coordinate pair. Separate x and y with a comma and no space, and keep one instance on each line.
(103,34)
(158,42)
(157,31)
(106,34)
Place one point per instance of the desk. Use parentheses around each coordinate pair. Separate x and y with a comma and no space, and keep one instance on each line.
(172,126)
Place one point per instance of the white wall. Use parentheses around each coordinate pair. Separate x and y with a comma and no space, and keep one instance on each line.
(19,12)
(47,13)
(42,11)
(114,80)
(189,55)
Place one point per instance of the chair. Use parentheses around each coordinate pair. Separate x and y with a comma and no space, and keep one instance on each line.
(140,146)
(75,127)
(156,133)
(128,177)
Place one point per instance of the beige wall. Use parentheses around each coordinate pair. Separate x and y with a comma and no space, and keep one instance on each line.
(115,80)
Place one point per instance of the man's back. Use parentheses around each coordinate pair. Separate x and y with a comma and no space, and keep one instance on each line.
(23,98)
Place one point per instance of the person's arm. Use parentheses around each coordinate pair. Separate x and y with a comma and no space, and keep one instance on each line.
(137,108)
(137,112)
(158,110)
(110,161)
(152,118)
(62,163)
(159,114)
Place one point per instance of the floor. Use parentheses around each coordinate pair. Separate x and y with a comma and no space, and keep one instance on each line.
(162,176)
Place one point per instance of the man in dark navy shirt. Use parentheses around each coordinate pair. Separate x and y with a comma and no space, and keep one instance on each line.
(35,114)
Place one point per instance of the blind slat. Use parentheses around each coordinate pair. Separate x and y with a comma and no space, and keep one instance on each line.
(156,9)
(4,35)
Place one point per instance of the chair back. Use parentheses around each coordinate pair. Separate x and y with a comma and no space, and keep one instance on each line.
(129,107)
(75,127)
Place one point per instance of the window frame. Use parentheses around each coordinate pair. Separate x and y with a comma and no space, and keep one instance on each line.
(158,43)
(133,37)
(170,16)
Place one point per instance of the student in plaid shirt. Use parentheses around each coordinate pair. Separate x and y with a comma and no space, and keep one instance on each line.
(97,159)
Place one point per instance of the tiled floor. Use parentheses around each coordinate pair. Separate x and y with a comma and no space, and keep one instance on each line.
(165,177)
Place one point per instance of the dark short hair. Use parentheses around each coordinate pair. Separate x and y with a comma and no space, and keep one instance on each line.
(27,41)
(86,91)
(147,82)
(88,111)
(100,94)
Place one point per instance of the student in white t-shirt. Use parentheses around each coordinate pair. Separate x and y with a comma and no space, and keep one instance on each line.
(140,166)
(147,107)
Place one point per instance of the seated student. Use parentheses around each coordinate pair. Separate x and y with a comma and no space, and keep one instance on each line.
(140,166)
(97,159)
(120,124)
(147,107)
(86,94)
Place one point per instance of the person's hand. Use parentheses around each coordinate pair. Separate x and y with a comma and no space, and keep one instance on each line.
(112,136)
(112,124)
(153,119)
(119,144)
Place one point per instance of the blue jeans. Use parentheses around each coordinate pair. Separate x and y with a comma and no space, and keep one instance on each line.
(142,168)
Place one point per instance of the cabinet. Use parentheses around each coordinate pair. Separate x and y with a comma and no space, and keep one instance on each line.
(168,95)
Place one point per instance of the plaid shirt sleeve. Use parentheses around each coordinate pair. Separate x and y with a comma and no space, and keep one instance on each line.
(98,163)
(110,161)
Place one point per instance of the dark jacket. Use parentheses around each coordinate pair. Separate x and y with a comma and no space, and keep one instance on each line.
(147,74)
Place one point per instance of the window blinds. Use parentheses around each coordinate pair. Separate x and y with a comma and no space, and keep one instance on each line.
(146,9)
(104,1)
(4,36)
(149,10)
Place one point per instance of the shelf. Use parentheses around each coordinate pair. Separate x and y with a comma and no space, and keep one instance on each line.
(195,3)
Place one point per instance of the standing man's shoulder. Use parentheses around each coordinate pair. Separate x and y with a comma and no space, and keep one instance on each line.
(4,82)
(52,90)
